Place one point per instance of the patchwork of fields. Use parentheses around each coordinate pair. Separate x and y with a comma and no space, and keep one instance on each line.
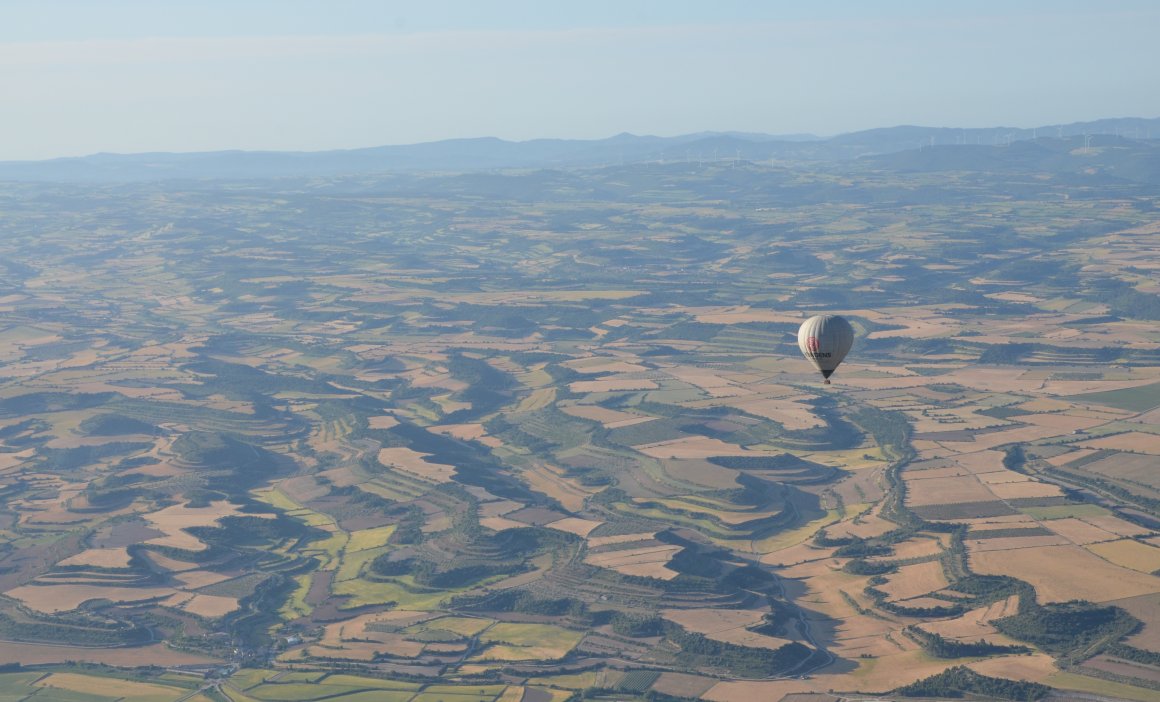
(443,440)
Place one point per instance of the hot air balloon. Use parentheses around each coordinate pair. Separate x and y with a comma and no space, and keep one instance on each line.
(825,340)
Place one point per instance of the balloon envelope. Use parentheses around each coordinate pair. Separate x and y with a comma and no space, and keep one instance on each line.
(825,340)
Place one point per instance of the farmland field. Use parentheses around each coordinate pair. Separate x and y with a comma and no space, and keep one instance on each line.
(504,437)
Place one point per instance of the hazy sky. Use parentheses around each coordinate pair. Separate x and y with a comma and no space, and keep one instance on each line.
(85,76)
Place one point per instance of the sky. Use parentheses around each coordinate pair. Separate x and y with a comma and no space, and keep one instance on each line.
(79,77)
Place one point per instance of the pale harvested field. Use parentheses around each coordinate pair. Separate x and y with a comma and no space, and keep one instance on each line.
(385,421)
(170,564)
(1132,441)
(551,481)
(71,441)
(1061,423)
(699,377)
(683,684)
(1147,610)
(748,691)
(1035,667)
(1141,468)
(726,625)
(598,541)
(193,579)
(609,418)
(100,557)
(1072,455)
(1080,387)
(789,412)
(1014,297)
(886,672)
(1062,573)
(1116,525)
(1078,531)
(1006,543)
(647,561)
(211,606)
(866,527)
(711,621)
(612,385)
(448,405)
(428,379)
(500,523)
(603,364)
(1025,489)
(929,449)
(356,639)
(1045,404)
(106,686)
(175,519)
(995,379)
(917,547)
(796,554)
(538,399)
(975,624)
(412,462)
(155,654)
(498,508)
(51,599)
(853,633)
(980,523)
(853,459)
(1129,554)
(952,471)
(15,459)
(1003,476)
(941,491)
(694,447)
(914,580)
(574,525)
(1018,435)
(160,470)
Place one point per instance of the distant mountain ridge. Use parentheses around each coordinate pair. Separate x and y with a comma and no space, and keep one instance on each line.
(490,153)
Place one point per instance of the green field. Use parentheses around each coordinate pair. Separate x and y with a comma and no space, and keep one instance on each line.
(1138,399)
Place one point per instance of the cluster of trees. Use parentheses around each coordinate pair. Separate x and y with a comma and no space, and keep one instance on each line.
(229,464)
(960,680)
(1014,458)
(860,566)
(84,631)
(1131,653)
(1123,299)
(488,387)
(699,651)
(942,647)
(484,554)
(637,625)
(1151,504)
(113,424)
(1070,630)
